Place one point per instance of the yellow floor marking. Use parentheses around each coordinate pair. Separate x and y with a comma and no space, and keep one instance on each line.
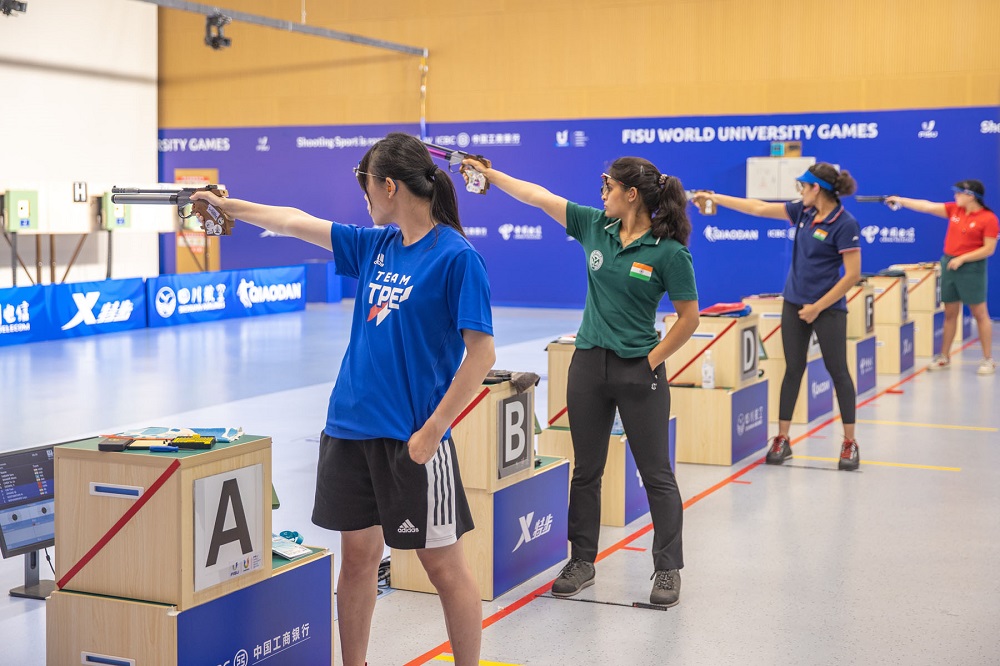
(884,464)
(930,425)
(449,658)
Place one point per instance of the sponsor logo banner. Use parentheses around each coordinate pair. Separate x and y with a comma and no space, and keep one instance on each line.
(749,426)
(196,297)
(24,316)
(865,371)
(86,308)
(906,347)
(820,390)
(287,616)
(530,527)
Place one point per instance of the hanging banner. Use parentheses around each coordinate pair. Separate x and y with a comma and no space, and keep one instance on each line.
(917,153)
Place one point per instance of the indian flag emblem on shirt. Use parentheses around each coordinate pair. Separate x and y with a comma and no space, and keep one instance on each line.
(820,234)
(641,271)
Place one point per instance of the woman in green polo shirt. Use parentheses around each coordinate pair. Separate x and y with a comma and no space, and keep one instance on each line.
(636,251)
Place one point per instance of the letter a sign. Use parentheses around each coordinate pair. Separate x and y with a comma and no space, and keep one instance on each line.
(228,525)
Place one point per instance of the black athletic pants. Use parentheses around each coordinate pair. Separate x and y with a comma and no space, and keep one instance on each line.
(599,381)
(831,331)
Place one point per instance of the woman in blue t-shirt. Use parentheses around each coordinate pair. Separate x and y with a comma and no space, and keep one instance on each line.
(388,470)
(826,263)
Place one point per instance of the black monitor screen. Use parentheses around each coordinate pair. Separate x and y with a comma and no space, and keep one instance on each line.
(27,501)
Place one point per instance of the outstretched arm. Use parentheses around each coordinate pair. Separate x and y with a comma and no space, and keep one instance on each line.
(919,205)
(279,219)
(529,193)
(479,358)
(754,207)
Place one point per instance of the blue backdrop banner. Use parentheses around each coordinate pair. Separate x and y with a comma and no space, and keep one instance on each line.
(916,153)
(197,297)
(23,316)
(87,308)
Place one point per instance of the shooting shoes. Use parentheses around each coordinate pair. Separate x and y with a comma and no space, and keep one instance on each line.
(575,576)
(666,588)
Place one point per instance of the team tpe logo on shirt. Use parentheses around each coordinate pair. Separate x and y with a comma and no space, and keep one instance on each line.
(641,271)
(820,234)
(385,297)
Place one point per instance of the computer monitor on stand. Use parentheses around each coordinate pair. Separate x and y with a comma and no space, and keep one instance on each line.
(27,514)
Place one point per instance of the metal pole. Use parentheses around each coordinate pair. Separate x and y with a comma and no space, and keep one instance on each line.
(301,28)
(52,259)
(38,258)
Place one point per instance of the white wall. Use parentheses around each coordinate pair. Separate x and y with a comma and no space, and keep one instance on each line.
(78,84)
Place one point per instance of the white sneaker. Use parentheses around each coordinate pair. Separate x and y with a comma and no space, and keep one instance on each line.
(987,367)
(939,363)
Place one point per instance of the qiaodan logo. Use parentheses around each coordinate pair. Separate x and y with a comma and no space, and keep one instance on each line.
(819,388)
(713,234)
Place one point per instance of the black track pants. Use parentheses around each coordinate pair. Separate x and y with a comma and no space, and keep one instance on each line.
(831,331)
(599,381)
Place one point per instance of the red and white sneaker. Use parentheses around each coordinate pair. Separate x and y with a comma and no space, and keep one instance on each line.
(940,362)
(849,457)
(780,449)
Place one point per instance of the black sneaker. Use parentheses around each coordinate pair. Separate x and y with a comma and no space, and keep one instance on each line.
(666,588)
(575,576)
(849,456)
(779,451)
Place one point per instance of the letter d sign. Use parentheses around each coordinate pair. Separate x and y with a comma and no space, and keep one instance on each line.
(748,353)
(514,434)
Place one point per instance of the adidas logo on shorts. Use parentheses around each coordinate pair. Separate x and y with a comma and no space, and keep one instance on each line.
(407,527)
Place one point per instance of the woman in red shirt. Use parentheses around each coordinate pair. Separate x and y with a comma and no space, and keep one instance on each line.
(971,238)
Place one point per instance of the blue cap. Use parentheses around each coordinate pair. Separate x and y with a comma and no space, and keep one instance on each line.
(959,190)
(810,177)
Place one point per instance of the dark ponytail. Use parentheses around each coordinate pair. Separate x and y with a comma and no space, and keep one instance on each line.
(841,181)
(662,195)
(404,158)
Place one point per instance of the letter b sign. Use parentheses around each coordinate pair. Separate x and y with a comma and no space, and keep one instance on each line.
(515,430)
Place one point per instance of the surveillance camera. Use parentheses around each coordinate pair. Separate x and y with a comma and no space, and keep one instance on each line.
(218,42)
(214,37)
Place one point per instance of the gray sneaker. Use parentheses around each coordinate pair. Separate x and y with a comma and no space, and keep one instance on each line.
(575,576)
(666,588)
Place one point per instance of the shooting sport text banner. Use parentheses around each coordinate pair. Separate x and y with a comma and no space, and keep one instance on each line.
(914,153)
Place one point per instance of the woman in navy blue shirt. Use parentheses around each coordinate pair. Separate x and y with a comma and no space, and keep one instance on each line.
(826,263)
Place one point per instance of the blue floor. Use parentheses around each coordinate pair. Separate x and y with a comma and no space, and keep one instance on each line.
(797,564)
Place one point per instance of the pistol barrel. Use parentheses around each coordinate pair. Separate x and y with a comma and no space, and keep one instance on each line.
(147,197)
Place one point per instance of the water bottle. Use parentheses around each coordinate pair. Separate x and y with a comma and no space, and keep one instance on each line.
(708,371)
